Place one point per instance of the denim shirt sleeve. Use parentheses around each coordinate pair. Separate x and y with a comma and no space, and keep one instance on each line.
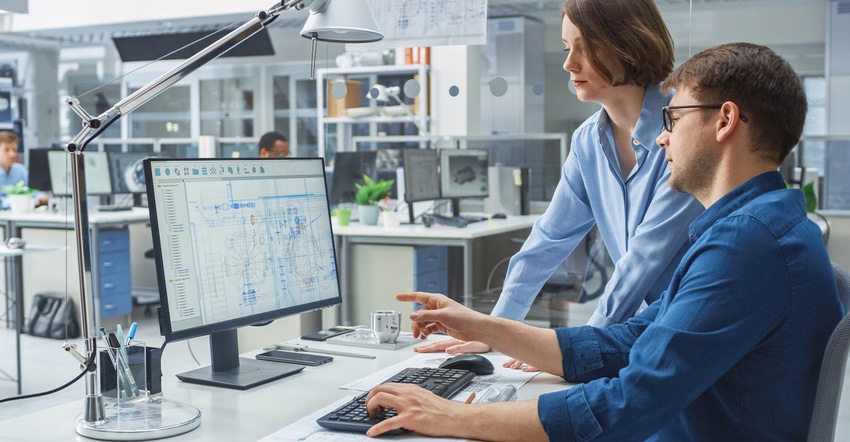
(699,321)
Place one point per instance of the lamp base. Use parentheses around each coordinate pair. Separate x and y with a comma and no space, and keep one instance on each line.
(143,420)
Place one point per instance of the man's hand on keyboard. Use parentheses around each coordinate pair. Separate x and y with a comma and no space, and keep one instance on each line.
(417,410)
(454,346)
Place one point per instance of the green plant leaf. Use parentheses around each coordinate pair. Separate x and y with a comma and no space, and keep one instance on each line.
(811,197)
(370,192)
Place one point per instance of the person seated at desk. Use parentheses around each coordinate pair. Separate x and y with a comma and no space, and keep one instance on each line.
(274,145)
(11,170)
(733,349)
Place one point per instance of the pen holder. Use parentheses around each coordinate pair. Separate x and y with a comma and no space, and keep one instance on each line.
(132,378)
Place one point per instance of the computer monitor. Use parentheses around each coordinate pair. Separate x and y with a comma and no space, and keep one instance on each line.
(239,242)
(127,172)
(39,169)
(97,173)
(463,174)
(421,175)
(349,168)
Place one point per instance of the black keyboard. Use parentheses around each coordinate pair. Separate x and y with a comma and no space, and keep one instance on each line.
(114,208)
(352,416)
(460,221)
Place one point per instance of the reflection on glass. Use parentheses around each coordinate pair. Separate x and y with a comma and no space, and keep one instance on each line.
(164,116)
(227,107)
(181,150)
(239,150)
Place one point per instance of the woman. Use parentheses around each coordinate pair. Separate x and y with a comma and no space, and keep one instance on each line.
(615,176)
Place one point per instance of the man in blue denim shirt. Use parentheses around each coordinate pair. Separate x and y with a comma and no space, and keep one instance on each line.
(733,348)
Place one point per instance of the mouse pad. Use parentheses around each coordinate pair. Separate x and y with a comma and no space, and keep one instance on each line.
(351,339)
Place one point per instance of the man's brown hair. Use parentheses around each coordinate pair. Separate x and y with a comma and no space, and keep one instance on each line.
(761,83)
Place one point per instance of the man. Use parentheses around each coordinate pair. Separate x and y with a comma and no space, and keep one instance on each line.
(274,145)
(11,171)
(733,348)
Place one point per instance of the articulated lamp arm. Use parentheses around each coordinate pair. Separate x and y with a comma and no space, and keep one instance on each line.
(94,126)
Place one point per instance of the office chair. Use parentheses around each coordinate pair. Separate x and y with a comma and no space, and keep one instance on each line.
(579,278)
(831,380)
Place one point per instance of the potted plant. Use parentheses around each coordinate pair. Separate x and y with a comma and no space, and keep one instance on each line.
(368,195)
(20,197)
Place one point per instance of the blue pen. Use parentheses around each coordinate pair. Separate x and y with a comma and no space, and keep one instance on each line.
(126,358)
(132,333)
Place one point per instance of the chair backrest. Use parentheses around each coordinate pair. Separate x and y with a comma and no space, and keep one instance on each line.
(831,380)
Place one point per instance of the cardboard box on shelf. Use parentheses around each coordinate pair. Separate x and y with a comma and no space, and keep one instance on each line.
(353,98)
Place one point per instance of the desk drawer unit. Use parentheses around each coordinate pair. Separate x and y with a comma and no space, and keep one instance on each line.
(430,269)
(114,279)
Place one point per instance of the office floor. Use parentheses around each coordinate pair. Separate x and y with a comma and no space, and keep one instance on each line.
(46,366)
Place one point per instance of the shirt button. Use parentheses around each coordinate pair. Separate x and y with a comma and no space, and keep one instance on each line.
(635,142)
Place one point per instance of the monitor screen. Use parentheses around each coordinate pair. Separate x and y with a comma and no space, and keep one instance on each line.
(421,175)
(127,172)
(349,168)
(39,170)
(239,242)
(97,173)
(463,173)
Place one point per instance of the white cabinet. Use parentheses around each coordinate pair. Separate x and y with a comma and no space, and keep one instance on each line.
(335,132)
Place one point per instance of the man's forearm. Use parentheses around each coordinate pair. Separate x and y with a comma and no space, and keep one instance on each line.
(533,345)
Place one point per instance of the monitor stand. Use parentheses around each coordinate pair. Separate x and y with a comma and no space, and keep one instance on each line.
(455,207)
(228,370)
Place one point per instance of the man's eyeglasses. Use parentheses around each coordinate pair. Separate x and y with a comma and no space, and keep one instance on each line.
(669,124)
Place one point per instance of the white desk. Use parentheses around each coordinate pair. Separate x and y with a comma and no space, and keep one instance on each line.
(98,221)
(232,415)
(419,235)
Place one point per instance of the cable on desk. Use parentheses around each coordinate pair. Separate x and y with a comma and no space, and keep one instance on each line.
(90,365)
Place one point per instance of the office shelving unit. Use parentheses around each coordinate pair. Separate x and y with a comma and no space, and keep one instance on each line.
(339,129)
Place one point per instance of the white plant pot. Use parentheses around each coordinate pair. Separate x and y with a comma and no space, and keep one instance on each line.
(369,215)
(20,203)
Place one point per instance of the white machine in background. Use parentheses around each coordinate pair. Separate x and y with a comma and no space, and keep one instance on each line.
(508,191)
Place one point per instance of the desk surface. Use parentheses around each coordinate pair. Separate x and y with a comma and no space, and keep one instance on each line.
(137,214)
(471,231)
(232,415)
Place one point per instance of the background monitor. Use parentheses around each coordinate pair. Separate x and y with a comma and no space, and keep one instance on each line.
(239,242)
(421,175)
(463,174)
(349,168)
(97,173)
(127,172)
(38,168)
(387,163)
(421,178)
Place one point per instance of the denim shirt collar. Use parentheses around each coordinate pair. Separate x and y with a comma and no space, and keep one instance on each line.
(732,201)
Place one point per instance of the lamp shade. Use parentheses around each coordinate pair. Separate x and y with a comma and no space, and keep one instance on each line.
(341,21)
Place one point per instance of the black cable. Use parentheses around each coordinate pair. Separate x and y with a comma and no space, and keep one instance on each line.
(89,367)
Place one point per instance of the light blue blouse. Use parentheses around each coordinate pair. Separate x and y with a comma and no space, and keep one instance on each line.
(643,223)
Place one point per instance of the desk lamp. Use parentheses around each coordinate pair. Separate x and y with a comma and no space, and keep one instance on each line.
(382,94)
(349,21)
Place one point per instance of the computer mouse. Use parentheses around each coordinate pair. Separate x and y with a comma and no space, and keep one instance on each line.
(15,243)
(475,363)
(499,216)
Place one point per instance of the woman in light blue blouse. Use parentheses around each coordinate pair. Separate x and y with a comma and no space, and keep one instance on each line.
(615,176)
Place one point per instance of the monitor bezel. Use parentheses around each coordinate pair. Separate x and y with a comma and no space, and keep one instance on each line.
(166,329)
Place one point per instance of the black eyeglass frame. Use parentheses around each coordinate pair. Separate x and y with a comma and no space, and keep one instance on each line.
(668,121)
